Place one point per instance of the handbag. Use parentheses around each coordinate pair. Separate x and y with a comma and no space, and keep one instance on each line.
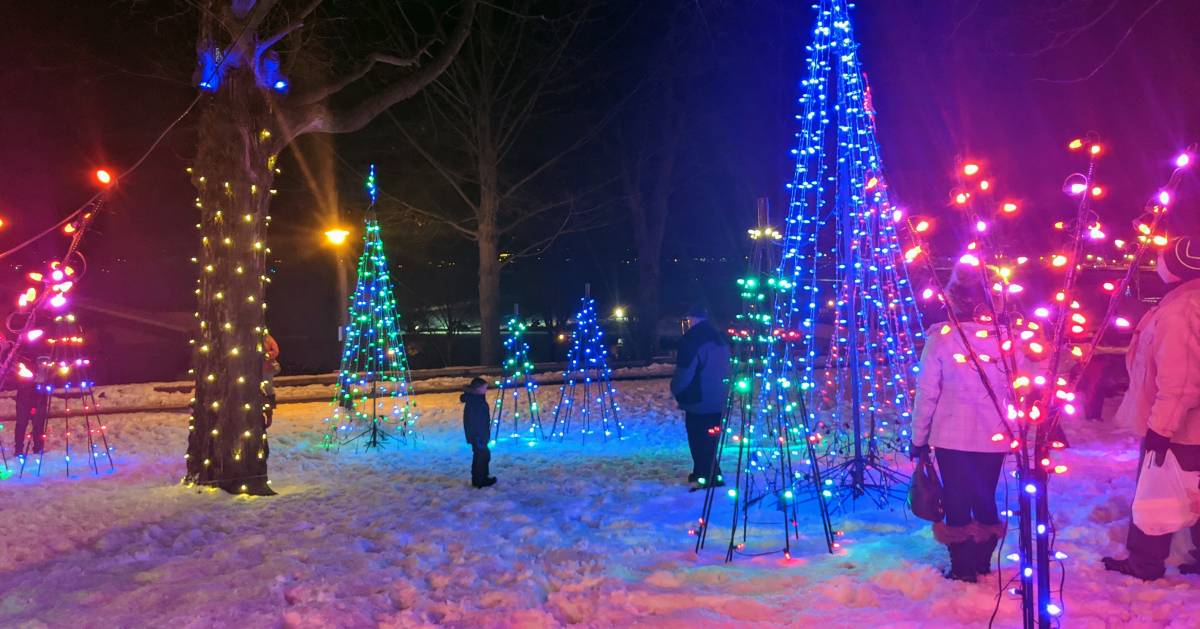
(1162,502)
(925,491)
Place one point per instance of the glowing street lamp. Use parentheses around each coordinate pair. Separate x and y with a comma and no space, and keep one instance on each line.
(337,236)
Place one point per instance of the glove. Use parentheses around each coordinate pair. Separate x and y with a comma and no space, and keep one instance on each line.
(915,451)
(1156,444)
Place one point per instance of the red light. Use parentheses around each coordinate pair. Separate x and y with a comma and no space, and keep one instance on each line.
(103,176)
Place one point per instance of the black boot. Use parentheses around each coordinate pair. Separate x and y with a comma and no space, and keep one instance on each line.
(958,540)
(986,539)
(1124,566)
(962,562)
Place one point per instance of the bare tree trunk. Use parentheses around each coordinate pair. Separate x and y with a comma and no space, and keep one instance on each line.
(648,312)
(227,442)
(489,296)
(489,246)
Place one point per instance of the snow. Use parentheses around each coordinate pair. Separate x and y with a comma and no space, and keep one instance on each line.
(149,396)
(593,535)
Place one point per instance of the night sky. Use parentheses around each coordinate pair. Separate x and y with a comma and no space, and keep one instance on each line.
(1006,82)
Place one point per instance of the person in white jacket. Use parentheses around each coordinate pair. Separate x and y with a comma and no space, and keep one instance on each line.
(1163,401)
(954,414)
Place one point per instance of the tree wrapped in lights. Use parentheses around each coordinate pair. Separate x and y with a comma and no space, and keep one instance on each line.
(372,404)
(769,463)
(250,113)
(587,395)
(844,271)
(517,389)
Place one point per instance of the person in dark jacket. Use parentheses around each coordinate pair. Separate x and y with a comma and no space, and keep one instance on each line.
(701,388)
(32,401)
(477,426)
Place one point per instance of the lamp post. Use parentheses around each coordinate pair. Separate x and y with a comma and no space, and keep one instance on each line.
(337,238)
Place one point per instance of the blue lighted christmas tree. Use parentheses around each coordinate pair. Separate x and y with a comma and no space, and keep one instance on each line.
(841,233)
(847,279)
(587,396)
(372,404)
(518,390)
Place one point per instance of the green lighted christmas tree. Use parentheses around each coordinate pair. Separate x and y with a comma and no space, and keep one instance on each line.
(518,389)
(372,403)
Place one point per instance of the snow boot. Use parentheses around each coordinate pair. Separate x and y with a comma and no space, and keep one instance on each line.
(1124,566)
(959,541)
(986,538)
(487,482)
(1191,567)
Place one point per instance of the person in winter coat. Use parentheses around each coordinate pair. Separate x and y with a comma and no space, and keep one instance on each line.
(270,369)
(701,388)
(33,376)
(477,426)
(1162,403)
(954,414)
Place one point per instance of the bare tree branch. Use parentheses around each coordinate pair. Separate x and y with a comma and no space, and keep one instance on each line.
(442,170)
(298,21)
(322,92)
(579,142)
(529,214)
(315,118)
(441,219)
(1111,54)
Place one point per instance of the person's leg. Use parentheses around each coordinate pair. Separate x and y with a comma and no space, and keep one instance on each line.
(41,411)
(957,487)
(955,532)
(712,437)
(1192,566)
(480,458)
(1147,553)
(25,401)
(986,470)
(695,431)
(476,460)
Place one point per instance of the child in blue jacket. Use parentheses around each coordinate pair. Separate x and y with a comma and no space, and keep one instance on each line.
(477,426)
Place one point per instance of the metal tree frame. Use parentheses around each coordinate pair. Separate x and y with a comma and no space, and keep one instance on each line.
(771,440)
(587,380)
(517,380)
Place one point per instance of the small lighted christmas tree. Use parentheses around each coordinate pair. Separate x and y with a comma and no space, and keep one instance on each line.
(372,404)
(587,396)
(518,389)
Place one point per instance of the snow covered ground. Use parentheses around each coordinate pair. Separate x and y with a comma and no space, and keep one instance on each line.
(593,535)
